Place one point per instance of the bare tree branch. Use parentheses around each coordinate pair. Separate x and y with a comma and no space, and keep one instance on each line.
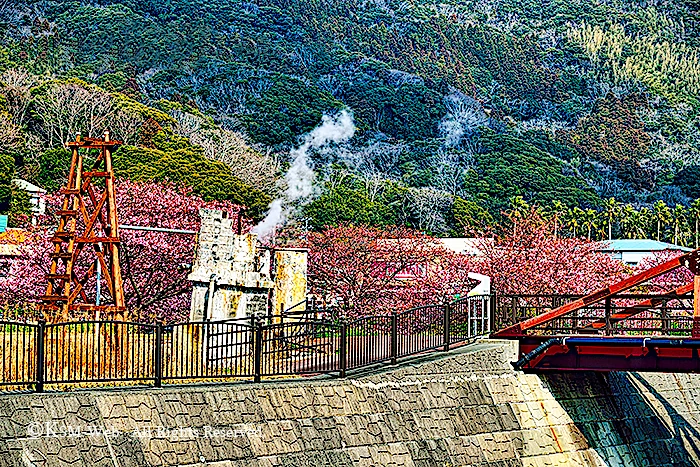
(254,169)
(67,109)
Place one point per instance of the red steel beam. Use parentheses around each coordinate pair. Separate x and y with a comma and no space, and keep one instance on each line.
(641,306)
(688,259)
(603,358)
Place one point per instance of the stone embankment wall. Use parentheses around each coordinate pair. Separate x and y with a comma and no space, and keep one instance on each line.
(463,408)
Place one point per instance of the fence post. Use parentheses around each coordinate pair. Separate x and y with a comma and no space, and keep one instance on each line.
(492,312)
(394,337)
(258,343)
(608,326)
(158,356)
(40,362)
(343,348)
(446,326)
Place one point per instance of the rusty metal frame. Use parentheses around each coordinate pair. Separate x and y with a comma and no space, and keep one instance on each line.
(97,236)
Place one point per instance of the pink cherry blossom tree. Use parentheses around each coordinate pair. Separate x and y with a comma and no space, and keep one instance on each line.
(375,271)
(528,259)
(154,264)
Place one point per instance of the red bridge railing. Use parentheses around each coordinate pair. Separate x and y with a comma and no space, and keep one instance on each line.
(609,308)
(613,328)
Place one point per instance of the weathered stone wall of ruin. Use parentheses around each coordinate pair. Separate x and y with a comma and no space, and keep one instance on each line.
(463,408)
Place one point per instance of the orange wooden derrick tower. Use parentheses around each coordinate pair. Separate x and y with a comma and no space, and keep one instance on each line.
(86,244)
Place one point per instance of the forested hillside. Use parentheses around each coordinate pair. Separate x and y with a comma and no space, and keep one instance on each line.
(464,109)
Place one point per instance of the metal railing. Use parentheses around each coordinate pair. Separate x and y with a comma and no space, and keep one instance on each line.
(619,315)
(511,309)
(313,308)
(127,353)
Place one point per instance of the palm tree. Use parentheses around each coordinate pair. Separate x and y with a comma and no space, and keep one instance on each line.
(518,206)
(556,213)
(628,217)
(611,209)
(518,209)
(662,215)
(572,220)
(589,220)
(678,217)
(695,212)
(639,222)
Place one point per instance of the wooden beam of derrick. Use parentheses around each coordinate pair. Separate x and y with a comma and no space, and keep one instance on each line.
(689,260)
(89,190)
(90,223)
(105,267)
(99,214)
(642,306)
(80,282)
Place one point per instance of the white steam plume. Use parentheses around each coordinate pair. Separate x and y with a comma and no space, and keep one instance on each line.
(299,180)
(464,116)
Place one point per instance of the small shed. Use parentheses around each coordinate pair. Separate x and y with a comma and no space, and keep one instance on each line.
(36,195)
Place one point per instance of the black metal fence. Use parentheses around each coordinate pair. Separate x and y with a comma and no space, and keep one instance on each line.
(102,352)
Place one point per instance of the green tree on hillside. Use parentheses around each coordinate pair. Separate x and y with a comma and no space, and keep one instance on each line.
(694,211)
(614,134)
(469,218)
(14,202)
(7,171)
(175,160)
(556,213)
(589,220)
(509,167)
(678,219)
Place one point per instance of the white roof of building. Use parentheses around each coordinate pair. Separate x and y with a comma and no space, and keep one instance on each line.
(640,245)
(26,186)
(468,246)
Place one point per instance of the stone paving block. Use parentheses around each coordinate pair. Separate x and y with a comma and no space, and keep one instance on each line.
(554,412)
(11,456)
(575,459)
(504,390)
(277,437)
(226,448)
(434,424)
(429,453)
(464,450)
(617,456)
(539,441)
(523,417)
(460,420)
(497,446)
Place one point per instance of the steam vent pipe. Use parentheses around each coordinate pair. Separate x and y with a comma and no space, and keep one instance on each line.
(527,358)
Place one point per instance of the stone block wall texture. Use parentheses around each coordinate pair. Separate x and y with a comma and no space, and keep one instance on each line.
(464,408)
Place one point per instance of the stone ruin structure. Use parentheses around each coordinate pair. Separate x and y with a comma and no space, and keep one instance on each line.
(234,277)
